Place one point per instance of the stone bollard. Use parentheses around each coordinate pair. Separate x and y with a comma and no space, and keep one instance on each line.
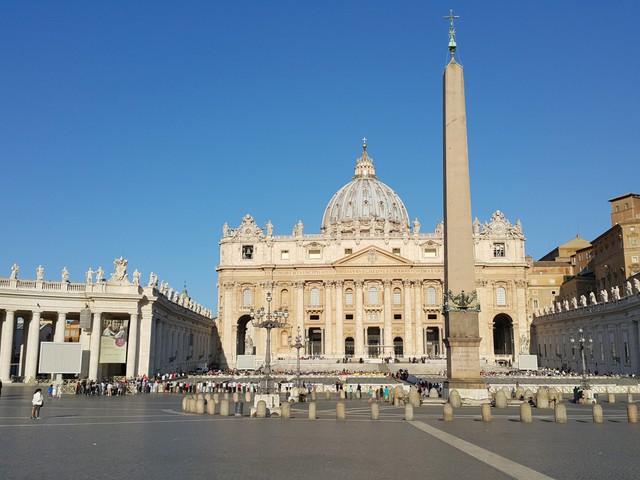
(225,396)
(314,396)
(632,413)
(185,403)
(285,410)
(341,394)
(414,397)
(447,412)
(542,398)
(554,396)
(216,398)
(612,398)
(261,409)
(192,405)
(597,413)
(454,399)
(239,409)
(433,393)
(327,395)
(519,393)
(408,412)
(207,397)
(312,410)
(501,399)
(486,412)
(396,402)
(211,408)
(375,411)
(560,413)
(236,397)
(398,392)
(200,405)
(392,396)
(525,413)
(247,397)
(358,394)
(341,411)
(629,398)
(224,408)
(527,395)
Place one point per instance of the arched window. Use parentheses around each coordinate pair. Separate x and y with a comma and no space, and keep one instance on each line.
(247,297)
(284,297)
(431,296)
(348,297)
(397,296)
(501,296)
(315,296)
(373,296)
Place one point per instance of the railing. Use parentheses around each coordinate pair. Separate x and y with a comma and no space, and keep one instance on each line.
(26,284)
(52,286)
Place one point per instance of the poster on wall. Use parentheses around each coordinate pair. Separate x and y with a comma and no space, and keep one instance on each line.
(113,342)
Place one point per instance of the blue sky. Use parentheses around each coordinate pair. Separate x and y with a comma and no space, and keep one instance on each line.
(139,128)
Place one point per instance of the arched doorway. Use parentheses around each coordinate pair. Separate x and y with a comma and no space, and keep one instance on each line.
(502,335)
(315,342)
(242,345)
(398,347)
(373,342)
(349,346)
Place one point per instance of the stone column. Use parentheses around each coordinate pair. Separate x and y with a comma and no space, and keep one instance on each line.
(94,352)
(359,346)
(163,344)
(33,342)
(228,314)
(61,324)
(417,312)
(180,347)
(157,354)
(339,337)
(409,349)
(299,291)
(132,346)
(6,347)
(328,319)
(388,320)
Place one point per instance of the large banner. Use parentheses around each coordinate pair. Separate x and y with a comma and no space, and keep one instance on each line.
(113,342)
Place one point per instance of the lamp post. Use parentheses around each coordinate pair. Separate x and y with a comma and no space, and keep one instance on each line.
(583,345)
(300,343)
(268,320)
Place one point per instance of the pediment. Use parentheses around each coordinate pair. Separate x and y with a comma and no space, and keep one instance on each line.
(372,256)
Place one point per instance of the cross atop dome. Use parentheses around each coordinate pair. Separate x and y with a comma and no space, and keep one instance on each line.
(364,143)
(364,165)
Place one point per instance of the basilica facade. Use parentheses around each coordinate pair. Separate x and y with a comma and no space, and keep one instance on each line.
(369,285)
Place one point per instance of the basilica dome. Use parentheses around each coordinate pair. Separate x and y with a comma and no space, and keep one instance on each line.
(365,204)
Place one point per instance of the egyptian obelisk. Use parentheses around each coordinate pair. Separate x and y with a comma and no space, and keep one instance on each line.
(462,337)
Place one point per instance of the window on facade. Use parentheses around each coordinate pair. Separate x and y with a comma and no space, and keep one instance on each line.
(397,296)
(431,296)
(432,316)
(348,251)
(284,297)
(535,304)
(498,250)
(634,259)
(429,253)
(247,252)
(396,251)
(348,297)
(373,296)
(315,253)
(284,254)
(627,356)
(633,241)
(501,296)
(348,316)
(315,296)
(314,317)
(247,297)
(397,316)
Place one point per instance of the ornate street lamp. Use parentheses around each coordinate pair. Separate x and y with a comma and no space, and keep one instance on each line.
(268,320)
(298,343)
(583,345)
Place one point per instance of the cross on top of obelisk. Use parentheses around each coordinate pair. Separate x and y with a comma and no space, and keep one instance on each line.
(452,32)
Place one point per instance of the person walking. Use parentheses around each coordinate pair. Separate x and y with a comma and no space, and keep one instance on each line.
(37,402)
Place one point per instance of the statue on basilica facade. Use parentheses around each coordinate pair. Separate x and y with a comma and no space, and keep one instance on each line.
(605,296)
(636,283)
(248,345)
(592,298)
(476,225)
(65,275)
(298,229)
(225,229)
(583,301)
(574,303)
(39,273)
(628,291)
(99,275)
(269,228)
(615,292)
(416,226)
(14,271)
(89,276)
(136,277)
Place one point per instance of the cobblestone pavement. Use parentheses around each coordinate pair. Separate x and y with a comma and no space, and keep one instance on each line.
(149,436)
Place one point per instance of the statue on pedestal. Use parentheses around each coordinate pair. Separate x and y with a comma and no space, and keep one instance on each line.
(39,273)
(136,277)
(99,275)
(65,275)
(248,345)
(89,277)
(14,271)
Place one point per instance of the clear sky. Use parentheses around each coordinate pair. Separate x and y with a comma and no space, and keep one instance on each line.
(139,128)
